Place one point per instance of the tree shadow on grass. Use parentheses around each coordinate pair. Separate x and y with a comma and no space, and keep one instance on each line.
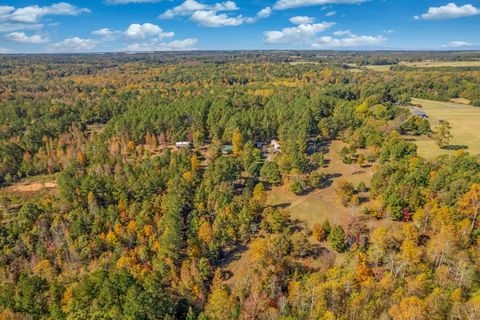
(454,147)
(324,185)
(233,255)
(281,205)
(316,251)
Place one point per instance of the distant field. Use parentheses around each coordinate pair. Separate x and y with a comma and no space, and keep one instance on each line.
(438,64)
(465,122)
(427,64)
(385,67)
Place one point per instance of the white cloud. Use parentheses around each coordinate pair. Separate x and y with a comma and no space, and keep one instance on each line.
(9,27)
(213,15)
(340,33)
(144,37)
(449,11)
(264,13)
(331,13)
(33,14)
(106,34)
(309,34)
(185,44)
(303,33)
(21,37)
(74,44)
(30,17)
(4,50)
(288,4)
(188,7)
(146,30)
(351,41)
(456,44)
(214,19)
(130,1)
(301,20)
(5,11)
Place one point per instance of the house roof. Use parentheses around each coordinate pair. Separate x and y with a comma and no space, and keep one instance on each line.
(419,112)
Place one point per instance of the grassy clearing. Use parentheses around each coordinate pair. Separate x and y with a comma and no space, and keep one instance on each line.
(312,208)
(440,64)
(465,122)
(309,209)
(323,204)
(382,68)
(427,64)
(32,185)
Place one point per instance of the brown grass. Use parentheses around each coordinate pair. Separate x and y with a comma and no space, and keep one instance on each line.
(30,186)
(323,204)
(440,64)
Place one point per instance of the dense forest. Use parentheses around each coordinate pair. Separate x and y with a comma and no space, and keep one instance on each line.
(140,229)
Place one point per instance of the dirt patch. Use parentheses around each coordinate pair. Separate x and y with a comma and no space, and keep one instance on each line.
(30,186)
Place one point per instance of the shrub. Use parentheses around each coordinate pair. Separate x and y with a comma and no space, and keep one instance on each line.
(345,192)
(271,173)
(362,187)
(297,187)
(316,179)
(317,232)
(337,239)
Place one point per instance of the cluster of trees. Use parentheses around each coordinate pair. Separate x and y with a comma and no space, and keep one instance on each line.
(137,230)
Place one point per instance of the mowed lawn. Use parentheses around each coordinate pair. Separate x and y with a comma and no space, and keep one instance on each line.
(323,204)
(465,123)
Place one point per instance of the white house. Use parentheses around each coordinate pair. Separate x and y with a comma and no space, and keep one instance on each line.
(275,145)
(183,144)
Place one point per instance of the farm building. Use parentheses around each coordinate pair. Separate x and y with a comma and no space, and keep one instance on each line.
(183,144)
(419,113)
(275,145)
(227,149)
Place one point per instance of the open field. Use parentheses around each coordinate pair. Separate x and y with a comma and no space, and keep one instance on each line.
(385,67)
(439,64)
(465,122)
(315,207)
(32,185)
(323,203)
(426,64)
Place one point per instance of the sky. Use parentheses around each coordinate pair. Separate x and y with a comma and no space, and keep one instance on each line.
(34,26)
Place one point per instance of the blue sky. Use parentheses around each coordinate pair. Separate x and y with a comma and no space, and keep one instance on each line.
(29,26)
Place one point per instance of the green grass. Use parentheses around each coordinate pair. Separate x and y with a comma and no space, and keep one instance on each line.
(465,123)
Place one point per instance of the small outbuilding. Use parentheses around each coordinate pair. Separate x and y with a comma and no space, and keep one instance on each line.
(227,149)
(183,144)
(275,145)
(419,113)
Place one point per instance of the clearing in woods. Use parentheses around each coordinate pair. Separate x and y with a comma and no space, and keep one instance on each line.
(465,123)
(426,64)
(323,203)
(314,207)
(441,64)
(32,185)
